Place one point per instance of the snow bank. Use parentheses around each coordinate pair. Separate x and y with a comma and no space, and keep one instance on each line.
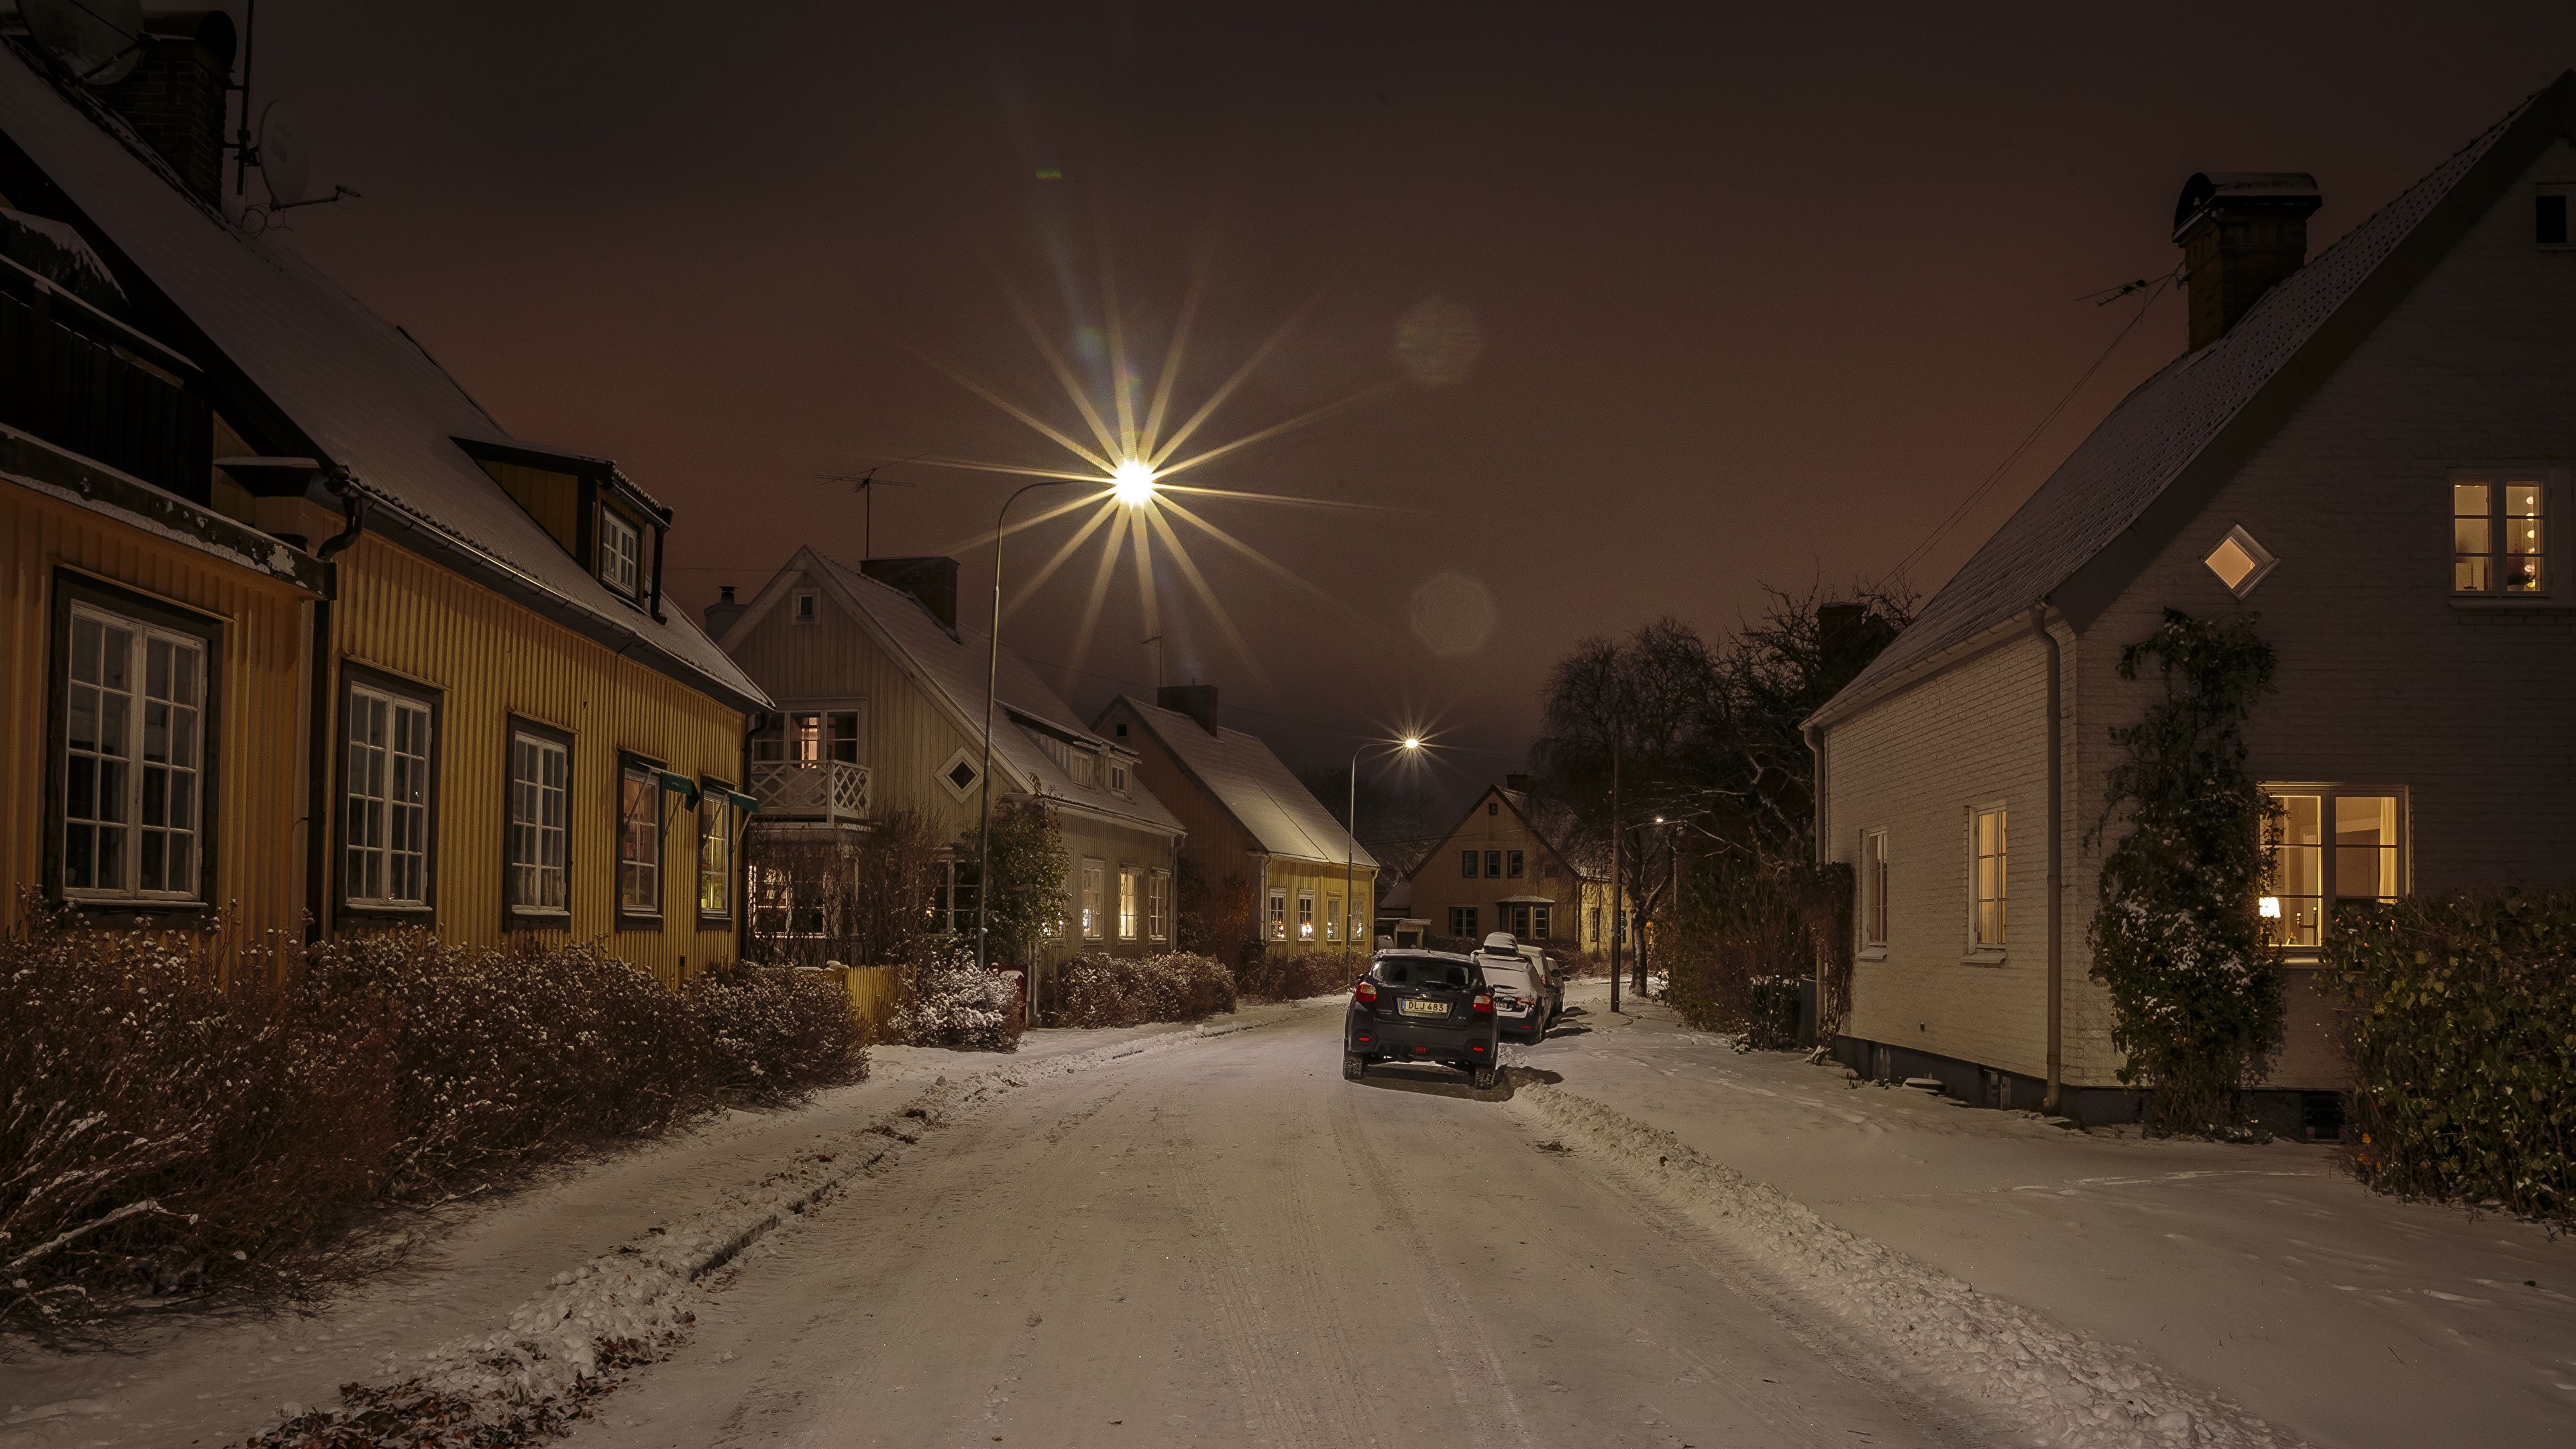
(2055,1386)
(569,1344)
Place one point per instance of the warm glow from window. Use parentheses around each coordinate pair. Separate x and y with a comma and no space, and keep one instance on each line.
(2271,908)
(2239,562)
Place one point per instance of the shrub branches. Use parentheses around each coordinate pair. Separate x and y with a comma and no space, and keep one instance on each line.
(1095,991)
(2195,982)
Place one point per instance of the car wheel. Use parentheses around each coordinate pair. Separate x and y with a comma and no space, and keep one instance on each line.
(1354,1067)
(1484,1076)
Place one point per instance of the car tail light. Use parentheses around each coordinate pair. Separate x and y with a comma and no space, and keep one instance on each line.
(1364,993)
(1484,1003)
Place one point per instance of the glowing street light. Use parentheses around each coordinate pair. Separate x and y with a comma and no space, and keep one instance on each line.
(1133,483)
(1351,846)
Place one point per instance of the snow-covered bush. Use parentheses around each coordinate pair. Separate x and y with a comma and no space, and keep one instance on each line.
(1090,991)
(1282,973)
(181,1111)
(2462,1037)
(949,1001)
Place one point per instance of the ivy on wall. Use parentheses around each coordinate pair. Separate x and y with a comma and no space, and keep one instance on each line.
(2195,983)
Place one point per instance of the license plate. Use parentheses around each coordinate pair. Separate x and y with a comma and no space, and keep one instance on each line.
(1416,1006)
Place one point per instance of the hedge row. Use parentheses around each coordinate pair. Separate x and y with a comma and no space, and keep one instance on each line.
(1089,991)
(165,1130)
(2461,1033)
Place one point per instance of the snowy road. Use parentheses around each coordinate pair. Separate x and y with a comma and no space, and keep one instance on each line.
(1226,1243)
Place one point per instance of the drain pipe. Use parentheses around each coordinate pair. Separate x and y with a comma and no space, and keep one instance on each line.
(2056,868)
(317,784)
(1815,734)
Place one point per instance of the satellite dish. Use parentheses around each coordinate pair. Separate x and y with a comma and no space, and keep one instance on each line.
(98,41)
(283,162)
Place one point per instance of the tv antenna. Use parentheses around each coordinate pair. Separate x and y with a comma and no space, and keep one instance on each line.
(866,485)
(95,42)
(285,166)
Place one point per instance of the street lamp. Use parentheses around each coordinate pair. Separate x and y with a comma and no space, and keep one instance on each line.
(1132,482)
(1351,846)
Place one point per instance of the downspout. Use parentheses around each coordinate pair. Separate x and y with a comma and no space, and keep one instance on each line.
(2056,870)
(753,723)
(318,752)
(661,542)
(1815,734)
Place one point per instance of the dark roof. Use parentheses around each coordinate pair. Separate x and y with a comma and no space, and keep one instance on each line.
(1251,784)
(2098,518)
(1548,822)
(357,387)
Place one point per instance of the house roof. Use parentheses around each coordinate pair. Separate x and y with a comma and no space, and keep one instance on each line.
(2152,464)
(950,669)
(355,386)
(1531,810)
(1263,796)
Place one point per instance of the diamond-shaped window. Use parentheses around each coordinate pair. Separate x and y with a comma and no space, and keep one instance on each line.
(2239,561)
(959,774)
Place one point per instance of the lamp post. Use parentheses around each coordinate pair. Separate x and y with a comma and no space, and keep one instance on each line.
(1132,483)
(1351,846)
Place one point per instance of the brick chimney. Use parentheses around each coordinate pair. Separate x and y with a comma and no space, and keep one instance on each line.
(174,97)
(1198,701)
(721,614)
(2240,232)
(931,579)
(1517,784)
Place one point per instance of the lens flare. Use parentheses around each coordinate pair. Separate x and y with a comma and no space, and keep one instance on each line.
(1132,483)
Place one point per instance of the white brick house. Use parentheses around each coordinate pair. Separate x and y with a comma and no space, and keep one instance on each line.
(2387,424)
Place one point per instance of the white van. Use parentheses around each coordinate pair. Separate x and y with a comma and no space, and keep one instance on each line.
(1523,1007)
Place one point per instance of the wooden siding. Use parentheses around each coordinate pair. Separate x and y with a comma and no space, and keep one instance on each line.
(552,499)
(258,797)
(491,660)
(1327,882)
(1438,885)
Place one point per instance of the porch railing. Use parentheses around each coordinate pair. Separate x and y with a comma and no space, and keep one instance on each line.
(830,790)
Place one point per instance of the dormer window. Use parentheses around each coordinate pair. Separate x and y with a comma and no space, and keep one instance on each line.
(1117,778)
(621,553)
(1085,769)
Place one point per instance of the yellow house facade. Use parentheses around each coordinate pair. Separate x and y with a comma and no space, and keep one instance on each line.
(1496,871)
(318,644)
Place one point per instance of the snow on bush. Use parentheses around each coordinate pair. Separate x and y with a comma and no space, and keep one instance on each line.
(181,1111)
(949,1001)
(1284,974)
(2043,1383)
(1090,991)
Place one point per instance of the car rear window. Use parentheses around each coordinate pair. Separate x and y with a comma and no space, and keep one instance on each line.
(1418,971)
(1514,972)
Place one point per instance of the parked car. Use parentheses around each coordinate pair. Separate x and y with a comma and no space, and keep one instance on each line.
(1551,982)
(1423,1006)
(1520,985)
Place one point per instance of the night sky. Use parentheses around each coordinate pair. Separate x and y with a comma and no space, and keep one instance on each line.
(1755,298)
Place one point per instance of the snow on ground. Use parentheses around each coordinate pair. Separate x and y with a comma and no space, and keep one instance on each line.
(2260,1273)
(606,1247)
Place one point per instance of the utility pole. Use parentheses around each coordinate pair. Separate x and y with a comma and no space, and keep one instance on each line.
(1618,911)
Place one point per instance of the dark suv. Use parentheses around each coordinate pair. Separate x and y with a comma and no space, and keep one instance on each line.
(1422,1006)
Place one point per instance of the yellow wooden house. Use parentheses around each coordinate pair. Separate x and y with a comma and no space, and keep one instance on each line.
(296,629)
(1498,870)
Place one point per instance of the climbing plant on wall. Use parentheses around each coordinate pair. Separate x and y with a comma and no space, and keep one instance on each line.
(2195,981)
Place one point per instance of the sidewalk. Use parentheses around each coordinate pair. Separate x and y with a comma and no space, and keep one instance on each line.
(212,1377)
(2263,1273)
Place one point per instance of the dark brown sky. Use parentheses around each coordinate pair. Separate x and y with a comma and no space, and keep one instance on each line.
(1762,296)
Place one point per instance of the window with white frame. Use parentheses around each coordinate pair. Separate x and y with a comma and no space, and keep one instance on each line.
(1158,906)
(1094,886)
(804,607)
(1493,865)
(1305,917)
(715,851)
(133,759)
(1512,864)
(1278,913)
(2332,843)
(639,840)
(1332,918)
(1462,921)
(1131,883)
(1873,888)
(621,553)
(1538,923)
(539,831)
(2499,535)
(1117,777)
(1467,864)
(384,830)
(1987,862)
(1085,768)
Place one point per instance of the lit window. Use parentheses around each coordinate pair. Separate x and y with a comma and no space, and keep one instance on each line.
(1332,918)
(2239,562)
(1130,880)
(639,841)
(1278,914)
(1305,916)
(2365,862)
(1094,883)
(2499,537)
(1462,921)
(134,737)
(1158,906)
(539,831)
(621,552)
(1988,842)
(715,851)
(1873,888)
(384,840)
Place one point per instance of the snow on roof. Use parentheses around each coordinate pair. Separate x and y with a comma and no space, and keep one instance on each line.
(951,667)
(365,394)
(1271,804)
(2117,472)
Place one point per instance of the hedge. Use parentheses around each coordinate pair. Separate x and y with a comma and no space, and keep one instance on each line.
(2461,1032)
